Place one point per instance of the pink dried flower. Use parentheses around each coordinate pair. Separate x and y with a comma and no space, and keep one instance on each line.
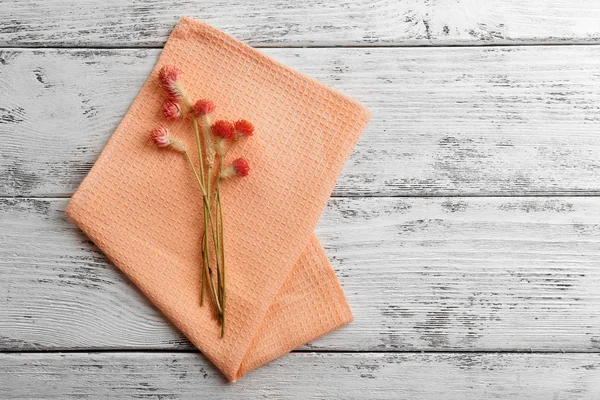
(163,138)
(244,127)
(222,129)
(160,135)
(169,76)
(204,107)
(239,167)
(171,110)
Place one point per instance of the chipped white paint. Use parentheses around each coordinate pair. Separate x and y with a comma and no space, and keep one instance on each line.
(420,274)
(304,376)
(116,23)
(446,121)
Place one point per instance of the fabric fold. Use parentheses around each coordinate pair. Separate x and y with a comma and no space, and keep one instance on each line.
(142,207)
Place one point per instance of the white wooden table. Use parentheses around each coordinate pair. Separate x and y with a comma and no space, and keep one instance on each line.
(465,229)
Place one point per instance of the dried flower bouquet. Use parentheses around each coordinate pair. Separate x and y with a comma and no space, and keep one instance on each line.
(214,140)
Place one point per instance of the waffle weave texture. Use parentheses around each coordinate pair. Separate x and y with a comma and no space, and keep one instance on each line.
(142,207)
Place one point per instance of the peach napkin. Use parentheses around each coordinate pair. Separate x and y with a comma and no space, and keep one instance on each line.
(141,206)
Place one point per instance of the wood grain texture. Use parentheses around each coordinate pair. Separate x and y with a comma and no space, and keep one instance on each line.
(511,274)
(303,376)
(447,121)
(116,23)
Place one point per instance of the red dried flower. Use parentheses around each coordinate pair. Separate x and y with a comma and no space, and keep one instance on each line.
(162,138)
(203,107)
(222,129)
(171,110)
(241,166)
(169,78)
(244,127)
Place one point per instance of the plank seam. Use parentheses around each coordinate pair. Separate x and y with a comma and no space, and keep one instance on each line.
(383,196)
(300,46)
(429,351)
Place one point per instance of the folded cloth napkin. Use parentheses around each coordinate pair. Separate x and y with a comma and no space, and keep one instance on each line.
(141,206)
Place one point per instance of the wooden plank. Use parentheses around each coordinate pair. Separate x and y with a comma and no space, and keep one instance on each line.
(447,121)
(513,274)
(304,376)
(117,23)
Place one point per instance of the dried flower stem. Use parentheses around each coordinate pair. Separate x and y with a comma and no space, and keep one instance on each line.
(208,225)
(203,274)
(218,236)
(208,271)
(222,245)
(205,264)
(219,217)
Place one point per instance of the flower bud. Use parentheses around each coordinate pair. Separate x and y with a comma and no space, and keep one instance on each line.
(171,110)
(239,167)
(169,76)
(222,129)
(203,107)
(163,138)
(244,128)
